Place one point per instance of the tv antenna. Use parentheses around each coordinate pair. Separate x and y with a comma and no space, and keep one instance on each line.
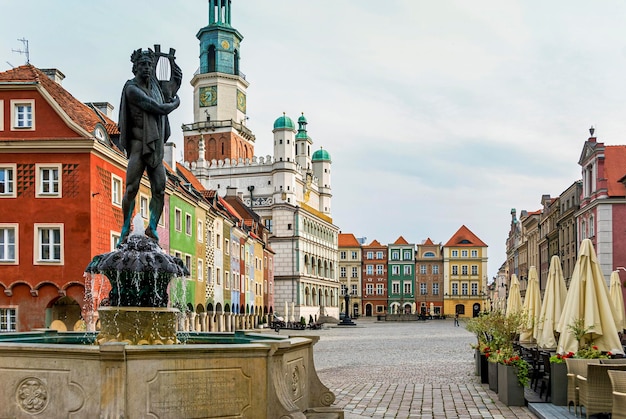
(25,51)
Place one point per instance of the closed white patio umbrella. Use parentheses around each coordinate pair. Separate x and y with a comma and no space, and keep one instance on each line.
(531,308)
(514,301)
(552,305)
(588,301)
(617,299)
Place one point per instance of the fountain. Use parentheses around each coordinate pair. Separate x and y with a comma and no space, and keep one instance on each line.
(137,367)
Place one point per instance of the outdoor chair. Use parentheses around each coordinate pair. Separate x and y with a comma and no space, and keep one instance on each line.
(594,390)
(546,378)
(618,382)
(576,367)
(613,361)
(536,367)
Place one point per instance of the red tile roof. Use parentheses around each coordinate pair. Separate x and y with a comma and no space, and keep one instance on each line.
(81,114)
(428,242)
(401,240)
(190,177)
(348,240)
(615,169)
(374,243)
(465,238)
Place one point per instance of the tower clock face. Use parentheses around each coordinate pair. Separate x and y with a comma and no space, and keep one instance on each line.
(208,96)
(241,101)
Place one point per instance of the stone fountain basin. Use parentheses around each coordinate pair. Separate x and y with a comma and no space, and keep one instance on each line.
(214,375)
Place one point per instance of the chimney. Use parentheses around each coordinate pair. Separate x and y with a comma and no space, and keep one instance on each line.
(54,74)
(105,107)
(231,191)
(169,153)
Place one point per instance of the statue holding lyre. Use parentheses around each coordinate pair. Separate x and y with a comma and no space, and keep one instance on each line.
(144,129)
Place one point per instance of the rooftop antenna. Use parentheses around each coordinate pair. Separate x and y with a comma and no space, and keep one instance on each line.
(25,51)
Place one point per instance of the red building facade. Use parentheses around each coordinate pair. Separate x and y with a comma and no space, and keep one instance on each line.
(374,279)
(58,170)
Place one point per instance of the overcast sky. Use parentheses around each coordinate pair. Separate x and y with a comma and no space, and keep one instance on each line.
(436,113)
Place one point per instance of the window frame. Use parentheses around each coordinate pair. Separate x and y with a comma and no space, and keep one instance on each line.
(15,104)
(116,196)
(178,219)
(38,228)
(12,169)
(5,318)
(16,238)
(39,168)
(144,210)
(188,223)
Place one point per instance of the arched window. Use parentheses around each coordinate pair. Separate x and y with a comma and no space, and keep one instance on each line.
(211,59)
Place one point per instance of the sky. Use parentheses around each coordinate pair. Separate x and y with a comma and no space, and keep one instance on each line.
(436,114)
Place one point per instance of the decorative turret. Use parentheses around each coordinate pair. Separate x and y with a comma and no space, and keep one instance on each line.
(321,168)
(303,144)
(284,173)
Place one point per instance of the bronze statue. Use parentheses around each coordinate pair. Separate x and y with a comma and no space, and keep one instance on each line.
(144,129)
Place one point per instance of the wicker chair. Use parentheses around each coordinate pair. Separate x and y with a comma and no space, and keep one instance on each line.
(576,367)
(618,381)
(594,390)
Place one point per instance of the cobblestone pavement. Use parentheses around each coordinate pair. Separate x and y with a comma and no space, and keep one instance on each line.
(405,370)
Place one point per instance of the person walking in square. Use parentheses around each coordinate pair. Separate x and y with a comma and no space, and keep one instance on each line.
(456,319)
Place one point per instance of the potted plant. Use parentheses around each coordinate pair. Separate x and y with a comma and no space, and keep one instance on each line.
(558,378)
(513,376)
(481,327)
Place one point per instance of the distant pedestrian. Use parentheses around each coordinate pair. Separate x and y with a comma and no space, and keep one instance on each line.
(456,319)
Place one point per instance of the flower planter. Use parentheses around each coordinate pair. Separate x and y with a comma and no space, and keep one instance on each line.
(492,375)
(510,392)
(558,378)
(477,362)
(484,369)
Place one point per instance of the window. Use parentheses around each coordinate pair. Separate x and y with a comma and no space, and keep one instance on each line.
(423,269)
(455,253)
(199,231)
(423,288)
(49,181)
(218,276)
(200,273)
(592,230)
(342,272)
(395,287)
(369,269)
(379,255)
(227,279)
(143,206)
(407,255)
(435,289)
(227,246)
(354,256)
(7,181)
(268,224)
(370,255)
(344,289)
(395,270)
(23,115)
(407,269)
(455,269)
(474,269)
(8,245)
(116,190)
(408,289)
(353,290)
(395,255)
(464,270)
(380,289)
(342,255)
(115,239)
(474,288)
(369,290)
(455,289)
(188,224)
(435,269)
(464,288)
(463,253)
(380,269)
(48,243)
(178,219)
(474,253)
(355,272)
(8,319)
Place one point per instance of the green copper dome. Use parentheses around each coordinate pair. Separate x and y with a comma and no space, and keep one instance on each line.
(284,122)
(302,119)
(321,155)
